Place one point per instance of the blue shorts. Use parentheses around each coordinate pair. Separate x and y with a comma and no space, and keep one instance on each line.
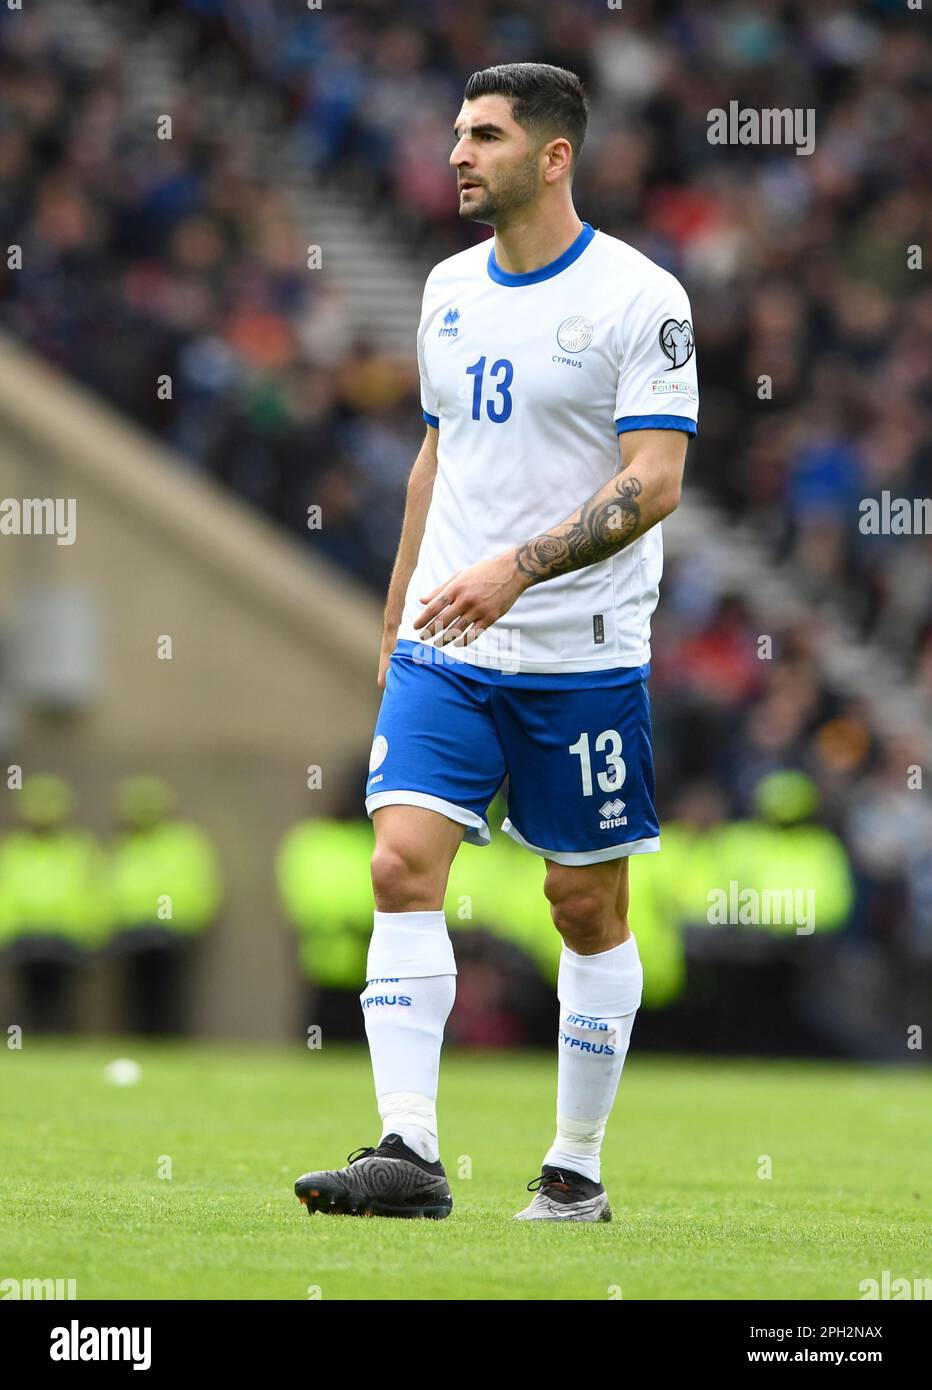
(576,757)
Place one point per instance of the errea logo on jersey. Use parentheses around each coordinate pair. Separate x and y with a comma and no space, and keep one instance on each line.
(449,329)
(611,813)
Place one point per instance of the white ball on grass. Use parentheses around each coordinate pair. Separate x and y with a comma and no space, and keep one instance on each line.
(123,1071)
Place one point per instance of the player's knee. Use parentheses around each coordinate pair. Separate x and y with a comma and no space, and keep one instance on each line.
(581,919)
(398,878)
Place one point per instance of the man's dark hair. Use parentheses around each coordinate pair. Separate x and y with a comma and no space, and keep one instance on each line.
(547,101)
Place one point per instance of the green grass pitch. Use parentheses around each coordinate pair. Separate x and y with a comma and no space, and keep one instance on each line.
(82,1198)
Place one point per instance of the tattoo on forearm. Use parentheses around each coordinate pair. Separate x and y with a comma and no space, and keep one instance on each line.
(602,527)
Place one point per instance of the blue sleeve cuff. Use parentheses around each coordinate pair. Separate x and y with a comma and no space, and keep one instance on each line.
(655,422)
(431,419)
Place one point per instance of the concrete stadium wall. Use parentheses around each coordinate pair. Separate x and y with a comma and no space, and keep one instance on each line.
(273,668)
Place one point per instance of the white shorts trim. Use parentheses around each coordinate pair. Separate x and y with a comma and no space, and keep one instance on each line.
(585,856)
(477,832)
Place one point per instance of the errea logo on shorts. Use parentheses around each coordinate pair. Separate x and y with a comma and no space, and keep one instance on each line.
(611,812)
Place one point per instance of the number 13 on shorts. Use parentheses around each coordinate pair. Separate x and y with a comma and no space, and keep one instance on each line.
(609,742)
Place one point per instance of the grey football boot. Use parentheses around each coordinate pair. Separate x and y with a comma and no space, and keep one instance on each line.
(564,1196)
(391,1180)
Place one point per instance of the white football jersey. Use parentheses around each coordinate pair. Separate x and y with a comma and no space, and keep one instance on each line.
(530,379)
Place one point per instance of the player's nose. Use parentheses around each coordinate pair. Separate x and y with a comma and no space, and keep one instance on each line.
(459,156)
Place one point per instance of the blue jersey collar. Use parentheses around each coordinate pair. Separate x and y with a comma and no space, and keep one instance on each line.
(545,272)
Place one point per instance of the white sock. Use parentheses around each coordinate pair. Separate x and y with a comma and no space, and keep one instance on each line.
(411,986)
(599,997)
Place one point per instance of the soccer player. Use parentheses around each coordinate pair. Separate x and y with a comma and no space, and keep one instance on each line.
(558,385)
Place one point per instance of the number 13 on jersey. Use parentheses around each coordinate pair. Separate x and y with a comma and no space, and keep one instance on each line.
(497,410)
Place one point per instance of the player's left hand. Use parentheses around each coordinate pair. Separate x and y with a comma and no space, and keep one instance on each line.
(471,600)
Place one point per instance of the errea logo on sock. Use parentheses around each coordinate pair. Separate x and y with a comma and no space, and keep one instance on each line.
(576,1032)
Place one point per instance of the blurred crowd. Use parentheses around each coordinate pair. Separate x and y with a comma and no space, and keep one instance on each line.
(732,706)
(146,257)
